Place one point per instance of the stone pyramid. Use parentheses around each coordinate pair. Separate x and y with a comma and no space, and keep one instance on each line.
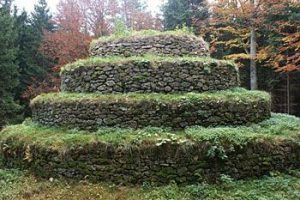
(158,80)
(137,110)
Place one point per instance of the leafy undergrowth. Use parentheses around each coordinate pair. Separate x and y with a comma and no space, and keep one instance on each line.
(16,185)
(278,127)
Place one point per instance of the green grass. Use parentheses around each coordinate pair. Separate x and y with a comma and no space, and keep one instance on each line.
(98,61)
(279,127)
(17,185)
(235,94)
(10,183)
(143,33)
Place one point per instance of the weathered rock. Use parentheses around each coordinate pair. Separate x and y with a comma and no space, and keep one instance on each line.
(163,76)
(85,113)
(149,162)
(163,44)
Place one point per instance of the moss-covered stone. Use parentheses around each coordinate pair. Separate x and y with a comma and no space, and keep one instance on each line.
(50,152)
(91,111)
(149,74)
(138,43)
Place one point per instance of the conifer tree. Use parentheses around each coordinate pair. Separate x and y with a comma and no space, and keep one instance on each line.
(41,22)
(34,65)
(27,55)
(41,19)
(8,67)
(178,13)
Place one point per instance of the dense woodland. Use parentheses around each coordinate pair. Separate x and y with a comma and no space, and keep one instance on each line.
(262,36)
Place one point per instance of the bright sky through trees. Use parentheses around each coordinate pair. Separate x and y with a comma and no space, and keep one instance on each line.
(29,4)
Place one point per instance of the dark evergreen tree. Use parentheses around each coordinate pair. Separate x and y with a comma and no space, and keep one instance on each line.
(179,13)
(41,21)
(33,65)
(27,59)
(8,67)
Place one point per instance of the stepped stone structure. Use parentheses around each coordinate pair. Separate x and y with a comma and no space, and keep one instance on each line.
(160,80)
(162,70)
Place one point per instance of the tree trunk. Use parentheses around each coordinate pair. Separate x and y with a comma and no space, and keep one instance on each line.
(253,69)
(288,96)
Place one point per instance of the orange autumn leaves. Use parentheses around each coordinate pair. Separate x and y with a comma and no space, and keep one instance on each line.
(76,23)
(278,32)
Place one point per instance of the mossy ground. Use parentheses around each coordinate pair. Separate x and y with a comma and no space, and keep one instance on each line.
(236,94)
(96,61)
(17,185)
(278,127)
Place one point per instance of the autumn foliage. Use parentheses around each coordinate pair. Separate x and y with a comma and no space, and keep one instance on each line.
(278,35)
(68,42)
(77,23)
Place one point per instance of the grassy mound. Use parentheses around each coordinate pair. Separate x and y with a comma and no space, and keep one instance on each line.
(143,33)
(126,156)
(236,94)
(16,185)
(279,127)
(98,61)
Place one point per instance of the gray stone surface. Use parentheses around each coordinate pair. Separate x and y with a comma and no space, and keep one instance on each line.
(146,76)
(91,115)
(148,162)
(161,44)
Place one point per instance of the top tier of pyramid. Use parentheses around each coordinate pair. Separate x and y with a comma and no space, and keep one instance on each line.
(163,43)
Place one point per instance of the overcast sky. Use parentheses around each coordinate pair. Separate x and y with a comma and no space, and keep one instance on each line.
(29,4)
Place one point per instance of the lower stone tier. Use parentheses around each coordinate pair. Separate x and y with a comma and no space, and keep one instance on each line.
(192,158)
(177,111)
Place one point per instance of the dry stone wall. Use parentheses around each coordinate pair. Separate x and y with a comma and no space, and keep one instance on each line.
(147,76)
(92,114)
(176,45)
(135,164)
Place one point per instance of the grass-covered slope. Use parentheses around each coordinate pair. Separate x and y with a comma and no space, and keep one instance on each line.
(278,127)
(236,94)
(115,60)
(16,185)
(127,156)
(138,34)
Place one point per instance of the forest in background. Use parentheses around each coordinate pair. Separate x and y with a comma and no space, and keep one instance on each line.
(262,36)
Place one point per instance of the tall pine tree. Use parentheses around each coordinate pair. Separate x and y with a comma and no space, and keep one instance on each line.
(8,66)
(33,65)
(27,53)
(179,13)
(41,19)
(41,22)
